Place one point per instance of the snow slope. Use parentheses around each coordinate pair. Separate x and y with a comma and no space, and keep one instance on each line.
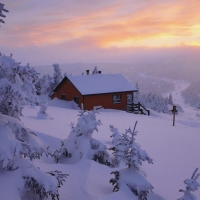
(175,151)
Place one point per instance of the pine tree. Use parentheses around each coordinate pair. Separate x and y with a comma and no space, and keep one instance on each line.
(16,86)
(57,78)
(80,144)
(2,9)
(43,109)
(11,99)
(191,186)
(43,85)
(18,147)
(127,150)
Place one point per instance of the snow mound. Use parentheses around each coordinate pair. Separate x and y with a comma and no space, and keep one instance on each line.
(63,104)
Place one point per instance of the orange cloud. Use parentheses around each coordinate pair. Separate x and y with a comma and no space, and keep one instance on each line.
(117,25)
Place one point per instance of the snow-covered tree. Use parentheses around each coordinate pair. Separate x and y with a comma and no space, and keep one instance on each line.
(80,144)
(16,86)
(155,102)
(128,151)
(192,94)
(57,76)
(44,84)
(1,10)
(29,78)
(95,71)
(11,99)
(43,109)
(191,186)
(18,147)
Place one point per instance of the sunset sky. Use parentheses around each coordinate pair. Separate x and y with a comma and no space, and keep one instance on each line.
(46,31)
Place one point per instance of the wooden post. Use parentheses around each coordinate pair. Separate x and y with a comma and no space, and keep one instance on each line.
(174,111)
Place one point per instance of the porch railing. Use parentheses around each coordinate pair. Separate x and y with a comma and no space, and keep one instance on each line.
(137,108)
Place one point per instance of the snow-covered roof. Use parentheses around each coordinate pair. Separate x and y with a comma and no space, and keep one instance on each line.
(101,83)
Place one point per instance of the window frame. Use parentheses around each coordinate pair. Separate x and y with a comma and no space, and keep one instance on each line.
(63,97)
(117,98)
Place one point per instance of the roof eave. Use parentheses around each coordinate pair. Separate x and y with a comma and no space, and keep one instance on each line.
(110,92)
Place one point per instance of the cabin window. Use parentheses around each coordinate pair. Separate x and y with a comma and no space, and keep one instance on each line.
(63,96)
(117,98)
(76,100)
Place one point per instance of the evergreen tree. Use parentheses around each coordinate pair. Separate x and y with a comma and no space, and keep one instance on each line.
(191,186)
(11,99)
(57,78)
(57,74)
(80,144)
(16,86)
(29,77)
(43,85)
(155,102)
(1,10)
(18,147)
(43,109)
(128,151)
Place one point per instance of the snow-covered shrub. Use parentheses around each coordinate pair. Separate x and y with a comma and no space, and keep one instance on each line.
(43,110)
(80,144)
(128,151)
(43,184)
(18,147)
(116,148)
(191,186)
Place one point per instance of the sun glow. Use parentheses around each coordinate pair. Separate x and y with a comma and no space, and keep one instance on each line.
(197,44)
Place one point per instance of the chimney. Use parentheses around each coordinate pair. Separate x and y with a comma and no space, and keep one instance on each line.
(99,72)
(87,72)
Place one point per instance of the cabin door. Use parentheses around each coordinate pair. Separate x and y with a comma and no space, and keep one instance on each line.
(129,98)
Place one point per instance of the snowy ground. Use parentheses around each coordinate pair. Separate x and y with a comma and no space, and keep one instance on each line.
(174,149)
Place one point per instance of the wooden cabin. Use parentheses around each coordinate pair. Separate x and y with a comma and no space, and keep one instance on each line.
(107,90)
